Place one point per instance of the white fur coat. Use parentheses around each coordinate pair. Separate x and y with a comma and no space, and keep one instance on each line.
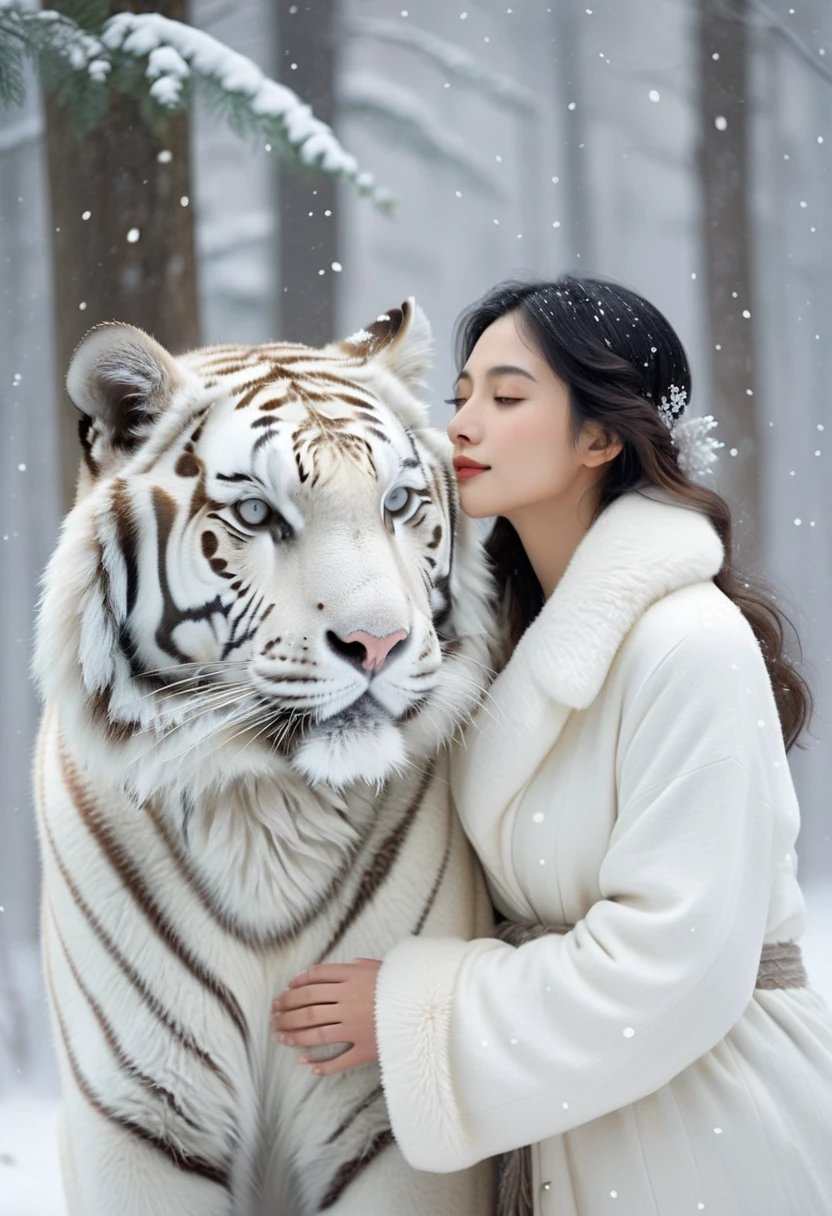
(627,785)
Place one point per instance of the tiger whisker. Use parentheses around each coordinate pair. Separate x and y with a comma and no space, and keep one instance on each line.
(266,723)
(469,658)
(179,687)
(202,665)
(201,695)
(471,683)
(220,702)
(238,711)
(484,707)
(285,728)
(266,719)
(231,720)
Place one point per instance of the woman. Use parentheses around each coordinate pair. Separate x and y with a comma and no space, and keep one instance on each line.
(645,1025)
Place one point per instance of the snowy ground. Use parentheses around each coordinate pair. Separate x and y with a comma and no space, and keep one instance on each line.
(29,1183)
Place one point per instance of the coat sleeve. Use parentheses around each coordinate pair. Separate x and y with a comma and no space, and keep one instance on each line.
(486,1047)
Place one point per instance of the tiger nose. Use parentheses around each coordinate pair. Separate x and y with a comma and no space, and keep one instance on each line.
(376,649)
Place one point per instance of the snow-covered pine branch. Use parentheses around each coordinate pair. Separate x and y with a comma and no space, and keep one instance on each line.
(406,121)
(458,64)
(160,61)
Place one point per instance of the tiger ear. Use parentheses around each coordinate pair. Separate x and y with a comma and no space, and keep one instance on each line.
(400,340)
(121,381)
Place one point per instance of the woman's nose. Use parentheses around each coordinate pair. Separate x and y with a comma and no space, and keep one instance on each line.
(462,426)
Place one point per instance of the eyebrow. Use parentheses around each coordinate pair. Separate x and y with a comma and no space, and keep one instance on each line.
(503,369)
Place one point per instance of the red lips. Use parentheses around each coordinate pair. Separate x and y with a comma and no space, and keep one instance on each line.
(465,467)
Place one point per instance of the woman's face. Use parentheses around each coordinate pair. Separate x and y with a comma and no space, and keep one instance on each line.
(513,417)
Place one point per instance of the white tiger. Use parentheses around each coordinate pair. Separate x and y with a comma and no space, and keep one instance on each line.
(263,622)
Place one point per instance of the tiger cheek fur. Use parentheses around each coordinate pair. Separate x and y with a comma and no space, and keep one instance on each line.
(263,622)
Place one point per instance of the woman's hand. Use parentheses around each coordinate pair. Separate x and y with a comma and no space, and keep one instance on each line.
(330,1003)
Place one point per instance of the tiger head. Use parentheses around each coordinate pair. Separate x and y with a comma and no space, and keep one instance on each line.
(265,564)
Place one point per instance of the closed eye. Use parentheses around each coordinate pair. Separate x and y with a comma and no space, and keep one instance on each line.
(458,402)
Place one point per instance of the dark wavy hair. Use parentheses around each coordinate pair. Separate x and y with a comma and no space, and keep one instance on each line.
(619,355)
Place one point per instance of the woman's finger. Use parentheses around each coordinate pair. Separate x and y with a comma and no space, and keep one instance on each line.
(308,994)
(325,1068)
(323,973)
(306,1018)
(316,1036)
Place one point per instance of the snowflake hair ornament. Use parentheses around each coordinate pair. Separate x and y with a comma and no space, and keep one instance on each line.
(696,447)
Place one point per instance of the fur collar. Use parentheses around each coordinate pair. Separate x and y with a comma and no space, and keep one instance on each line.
(639,550)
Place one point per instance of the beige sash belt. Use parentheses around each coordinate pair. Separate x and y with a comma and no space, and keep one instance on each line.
(781,966)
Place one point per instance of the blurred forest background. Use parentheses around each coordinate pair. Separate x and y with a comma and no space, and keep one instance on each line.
(679,146)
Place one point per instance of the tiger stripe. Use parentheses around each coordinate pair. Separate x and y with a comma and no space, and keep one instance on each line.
(133,882)
(125,1063)
(350,1170)
(253,939)
(346,1123)
(380,866)
(152,1003)
(185,1161)
(437,883)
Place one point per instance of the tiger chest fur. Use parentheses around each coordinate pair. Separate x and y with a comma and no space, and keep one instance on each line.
(262,625)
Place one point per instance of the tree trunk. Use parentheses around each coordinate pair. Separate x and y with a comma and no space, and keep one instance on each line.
(307,220)
(568,79)
(132,258)
(727,226)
